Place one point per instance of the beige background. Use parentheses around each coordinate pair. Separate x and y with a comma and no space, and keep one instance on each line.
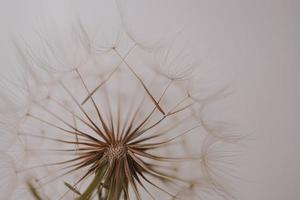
(253,44)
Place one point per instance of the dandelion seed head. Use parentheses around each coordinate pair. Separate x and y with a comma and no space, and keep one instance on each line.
(102,122)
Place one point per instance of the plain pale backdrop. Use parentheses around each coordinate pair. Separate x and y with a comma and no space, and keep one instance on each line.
(253,44)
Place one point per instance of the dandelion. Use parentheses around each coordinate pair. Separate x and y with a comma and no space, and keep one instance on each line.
(108,122)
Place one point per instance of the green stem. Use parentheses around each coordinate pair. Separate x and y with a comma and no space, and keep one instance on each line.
(94,184)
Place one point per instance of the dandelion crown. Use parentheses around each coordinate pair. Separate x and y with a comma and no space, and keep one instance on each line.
(112,121)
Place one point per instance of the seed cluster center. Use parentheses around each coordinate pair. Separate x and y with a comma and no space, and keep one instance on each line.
(116,151)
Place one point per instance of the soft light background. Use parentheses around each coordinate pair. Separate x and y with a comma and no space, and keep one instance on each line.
(252,44)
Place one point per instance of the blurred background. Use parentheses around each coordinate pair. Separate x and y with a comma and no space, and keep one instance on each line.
(252,45)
